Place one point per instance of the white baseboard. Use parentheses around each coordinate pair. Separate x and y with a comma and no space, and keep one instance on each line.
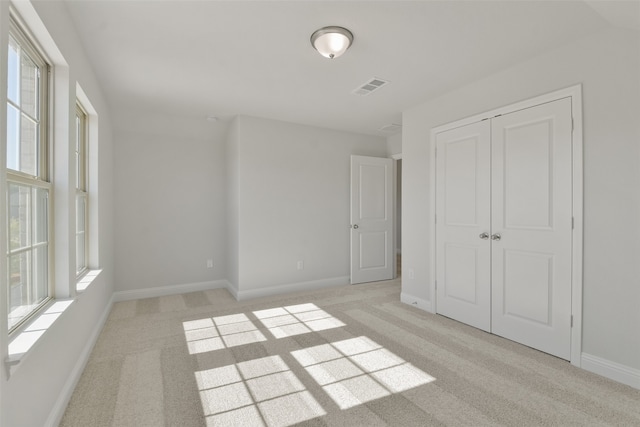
(233,289)
(170,290)
(292,287)
(422,304)
(57,412)
(612,370)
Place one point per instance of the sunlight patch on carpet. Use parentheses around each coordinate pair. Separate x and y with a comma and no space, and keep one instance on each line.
(297,319)
(260,392)
(220,332)
(359,370)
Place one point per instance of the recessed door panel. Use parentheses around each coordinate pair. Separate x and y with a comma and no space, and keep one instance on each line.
(527,285)
(461,266)
(528,163)
(463,215)
(372,200)
(460,181)
(377,258)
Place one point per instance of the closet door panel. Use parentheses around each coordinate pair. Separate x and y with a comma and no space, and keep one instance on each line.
(463,214)
(531,213)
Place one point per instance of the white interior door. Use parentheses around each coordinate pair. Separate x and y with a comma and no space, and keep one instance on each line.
(532,215)
(371,219)
(463,269)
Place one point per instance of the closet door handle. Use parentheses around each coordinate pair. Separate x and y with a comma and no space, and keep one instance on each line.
(496,236)
(484,236)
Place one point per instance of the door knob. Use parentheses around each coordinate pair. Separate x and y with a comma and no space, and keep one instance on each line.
(484,236)
(355,226)
(496,236)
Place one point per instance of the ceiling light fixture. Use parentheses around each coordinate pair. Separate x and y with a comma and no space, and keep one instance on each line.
(332,42)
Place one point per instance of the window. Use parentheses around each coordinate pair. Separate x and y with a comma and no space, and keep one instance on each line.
(81,191)
(28,186)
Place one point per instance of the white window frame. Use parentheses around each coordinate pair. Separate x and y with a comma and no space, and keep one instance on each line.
(82,187)
(19,32)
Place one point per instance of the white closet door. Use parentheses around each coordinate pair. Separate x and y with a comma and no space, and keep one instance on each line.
(531,214)
(462,215)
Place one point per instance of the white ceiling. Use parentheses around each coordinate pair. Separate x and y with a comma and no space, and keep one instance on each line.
(224,58)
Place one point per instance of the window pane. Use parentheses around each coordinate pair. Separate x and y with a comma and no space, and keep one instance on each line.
(29,86)
(27,290)
(81,208)
(78,133)
(19,284)
(19,216)
(13,138)
(28,146)
(41,215)
(80,150)
(40,274)
(81,202)
(77,156)
(80,253)
(78,171)
(13,69)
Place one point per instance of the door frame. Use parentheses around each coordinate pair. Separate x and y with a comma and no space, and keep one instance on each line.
(396,220)
(575,94)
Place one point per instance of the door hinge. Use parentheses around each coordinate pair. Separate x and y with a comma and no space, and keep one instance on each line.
(573,223)
(436,286)
(436,218)
(572,320)
(572,127)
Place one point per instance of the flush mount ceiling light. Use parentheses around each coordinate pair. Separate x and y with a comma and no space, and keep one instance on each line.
(332,42)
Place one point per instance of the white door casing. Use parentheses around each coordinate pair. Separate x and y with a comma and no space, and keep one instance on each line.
(463,253)
(371,219)
(532,213)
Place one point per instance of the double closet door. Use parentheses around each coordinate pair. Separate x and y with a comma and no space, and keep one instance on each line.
(504,225)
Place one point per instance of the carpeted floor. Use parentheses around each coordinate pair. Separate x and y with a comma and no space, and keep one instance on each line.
(347,356)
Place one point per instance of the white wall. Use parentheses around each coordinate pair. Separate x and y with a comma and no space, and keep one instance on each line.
(608,66)
(294,202)
(394,144)
(30,397)
(170,189)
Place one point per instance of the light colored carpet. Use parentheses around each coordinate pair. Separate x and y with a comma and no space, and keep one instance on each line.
(347,356)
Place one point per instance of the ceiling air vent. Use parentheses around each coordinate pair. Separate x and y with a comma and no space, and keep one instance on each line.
(370,86)
(391,128)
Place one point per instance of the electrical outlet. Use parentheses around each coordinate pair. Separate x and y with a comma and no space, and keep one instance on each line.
(209,263)
(300,265)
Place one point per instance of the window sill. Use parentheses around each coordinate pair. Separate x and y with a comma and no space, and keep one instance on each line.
(86,279)
(26,340)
